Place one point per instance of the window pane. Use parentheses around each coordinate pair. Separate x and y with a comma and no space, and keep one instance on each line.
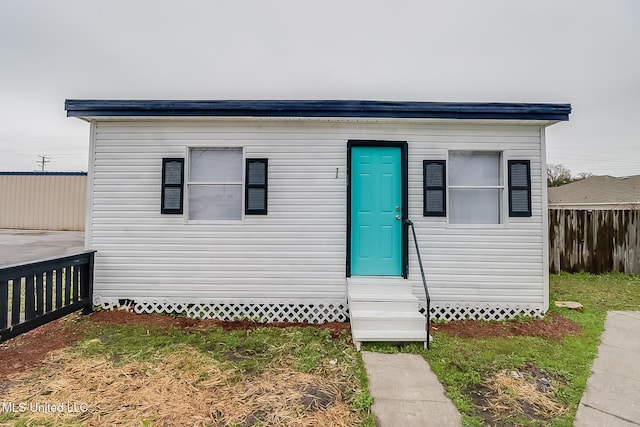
(215,165)
(475,206)
(474,168)
(215,201)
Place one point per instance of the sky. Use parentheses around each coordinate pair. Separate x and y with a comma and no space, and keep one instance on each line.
(582,52)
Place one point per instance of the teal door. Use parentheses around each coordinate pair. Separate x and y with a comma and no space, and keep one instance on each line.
(376,211)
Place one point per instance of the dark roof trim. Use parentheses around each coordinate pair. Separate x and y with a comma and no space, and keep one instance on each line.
(45,173)
(293,108)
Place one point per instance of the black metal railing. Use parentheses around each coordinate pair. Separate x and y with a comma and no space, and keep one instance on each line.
(409,223)
(38,292)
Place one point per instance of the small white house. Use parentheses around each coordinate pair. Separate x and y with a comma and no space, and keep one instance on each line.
(296,210)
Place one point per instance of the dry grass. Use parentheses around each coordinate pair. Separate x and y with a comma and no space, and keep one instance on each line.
(184,388)
(522,395)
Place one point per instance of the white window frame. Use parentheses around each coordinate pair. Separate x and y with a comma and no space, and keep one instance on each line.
(502,190)
(188,184)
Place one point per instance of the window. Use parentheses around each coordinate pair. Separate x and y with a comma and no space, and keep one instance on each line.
(475,187)
(519,188)
(435,190)
(215,184)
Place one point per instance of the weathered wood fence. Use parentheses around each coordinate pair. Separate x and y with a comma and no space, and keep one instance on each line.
(594,241)
(35,293)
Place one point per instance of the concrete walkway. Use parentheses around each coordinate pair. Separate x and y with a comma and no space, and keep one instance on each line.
(612,395)
(406,393)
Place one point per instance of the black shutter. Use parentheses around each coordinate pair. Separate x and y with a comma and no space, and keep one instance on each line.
(172,186)
(255,191)
(519,188)
(435,187)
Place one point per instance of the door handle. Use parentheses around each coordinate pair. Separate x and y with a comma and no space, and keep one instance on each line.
(398,217)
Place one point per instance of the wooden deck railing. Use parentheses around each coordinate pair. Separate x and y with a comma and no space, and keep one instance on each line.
(38,292)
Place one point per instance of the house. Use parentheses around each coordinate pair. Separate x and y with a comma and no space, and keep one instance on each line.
(596,193)
(296,210)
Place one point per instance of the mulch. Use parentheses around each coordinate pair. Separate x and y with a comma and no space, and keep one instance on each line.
(125,316)
(554,326)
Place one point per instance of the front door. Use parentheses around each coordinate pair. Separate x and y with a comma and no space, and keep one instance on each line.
(376,211)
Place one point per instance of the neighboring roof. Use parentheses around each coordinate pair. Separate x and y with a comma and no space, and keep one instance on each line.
(597,190)
(44,173)
(318,108)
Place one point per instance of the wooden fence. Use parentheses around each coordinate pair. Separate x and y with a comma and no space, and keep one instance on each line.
(34,293)
(595,241)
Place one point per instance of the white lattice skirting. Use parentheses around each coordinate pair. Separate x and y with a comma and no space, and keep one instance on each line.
(316,312)
(458,311)
(259,311)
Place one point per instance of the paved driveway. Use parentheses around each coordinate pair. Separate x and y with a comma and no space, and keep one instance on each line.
(18,246)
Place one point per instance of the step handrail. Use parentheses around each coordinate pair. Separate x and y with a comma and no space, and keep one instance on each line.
(409,223)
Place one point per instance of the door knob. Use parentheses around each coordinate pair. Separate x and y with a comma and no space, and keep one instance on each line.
(398,217)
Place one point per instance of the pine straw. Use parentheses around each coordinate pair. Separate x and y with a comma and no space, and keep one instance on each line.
(521,395)
(185,388)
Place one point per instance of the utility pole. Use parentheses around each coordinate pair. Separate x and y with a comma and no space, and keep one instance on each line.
(43,161)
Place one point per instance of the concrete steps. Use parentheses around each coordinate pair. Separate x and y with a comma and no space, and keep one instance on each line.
(384,309)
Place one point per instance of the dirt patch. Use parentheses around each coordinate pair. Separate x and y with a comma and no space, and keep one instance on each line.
(553,326)
(30,349)
(315,398)
(526,393)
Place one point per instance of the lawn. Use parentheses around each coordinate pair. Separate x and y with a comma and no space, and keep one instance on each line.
(192,374)
(529,380)
(156,371)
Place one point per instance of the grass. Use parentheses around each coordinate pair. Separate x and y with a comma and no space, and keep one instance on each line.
(468,367)
(263,376)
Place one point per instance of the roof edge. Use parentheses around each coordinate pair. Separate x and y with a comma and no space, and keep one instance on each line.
(316,108)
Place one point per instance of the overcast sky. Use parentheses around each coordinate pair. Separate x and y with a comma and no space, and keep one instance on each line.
(586,53)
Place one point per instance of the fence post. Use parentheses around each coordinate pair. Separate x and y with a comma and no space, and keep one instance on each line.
(16,300)
(86,292)
(29,299)
(4,303)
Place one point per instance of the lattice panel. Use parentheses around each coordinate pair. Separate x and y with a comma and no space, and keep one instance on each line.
(259,311)
(458,311)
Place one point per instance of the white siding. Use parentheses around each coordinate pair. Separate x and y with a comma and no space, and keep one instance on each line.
(297,252)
